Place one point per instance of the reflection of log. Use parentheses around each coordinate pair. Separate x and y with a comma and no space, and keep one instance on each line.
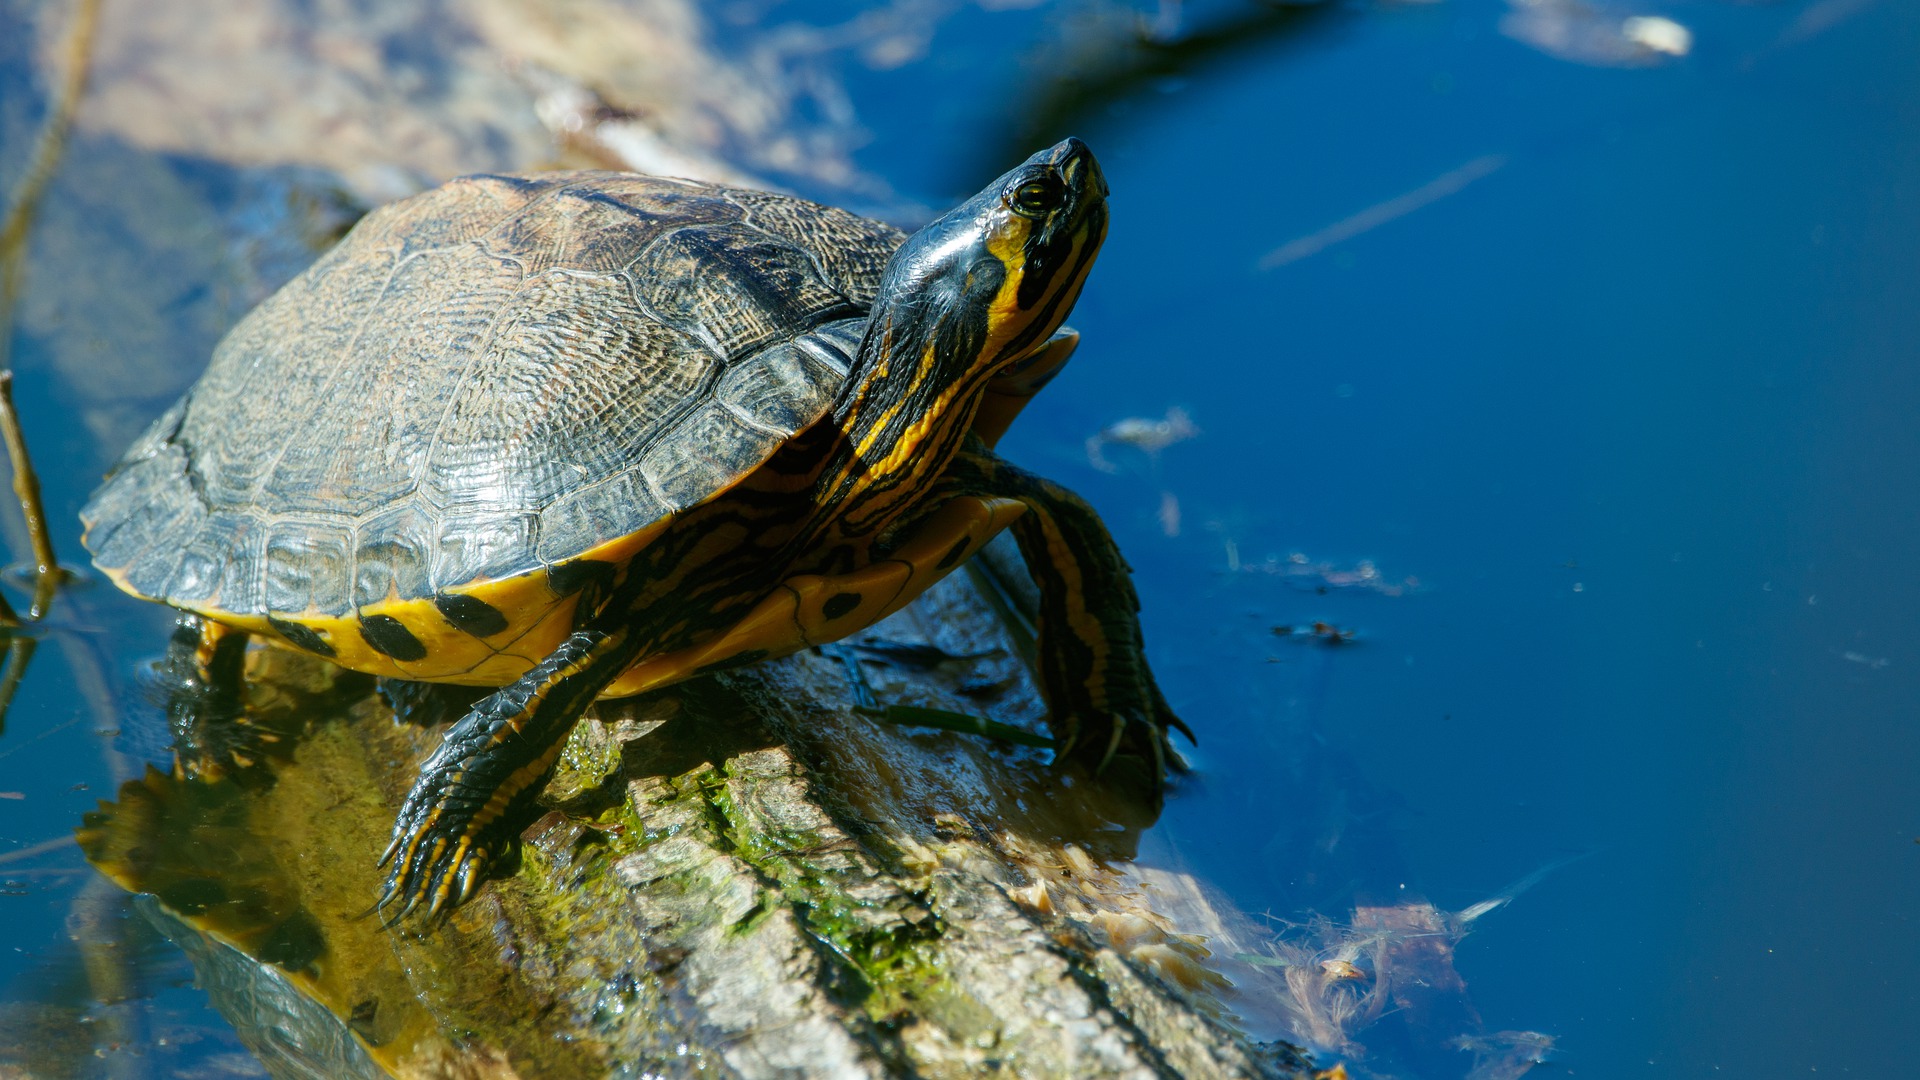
(742,875)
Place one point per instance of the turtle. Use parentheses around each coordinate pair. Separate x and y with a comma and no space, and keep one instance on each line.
(582,434)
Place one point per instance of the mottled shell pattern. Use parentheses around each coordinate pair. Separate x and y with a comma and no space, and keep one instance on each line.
(485,381)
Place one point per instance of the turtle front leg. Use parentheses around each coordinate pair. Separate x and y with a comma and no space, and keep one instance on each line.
(490,766)
(1102,701)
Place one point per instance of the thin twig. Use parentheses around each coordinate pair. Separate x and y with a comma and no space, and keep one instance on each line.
(54,730)
(19,651)
(41,848)
(26,485)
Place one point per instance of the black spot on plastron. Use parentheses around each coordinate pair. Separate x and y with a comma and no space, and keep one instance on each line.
(389,636)
(470,614)
(568,578)
(304,637)
(954,554)
(751,656)
(840,604)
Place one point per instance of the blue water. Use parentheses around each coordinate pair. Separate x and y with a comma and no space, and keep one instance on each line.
(1637,408)
(1616,363)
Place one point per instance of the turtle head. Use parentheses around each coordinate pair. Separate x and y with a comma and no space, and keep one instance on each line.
(990,280)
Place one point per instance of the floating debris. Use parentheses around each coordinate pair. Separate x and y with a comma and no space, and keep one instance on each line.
(1323,577)
(1393,960)
(1148,435)
(1658,33)
(1507,895)
(1874,662)
(1585,34)
(1323,632)
(1340,969)
(1380,213)
(1505,1055)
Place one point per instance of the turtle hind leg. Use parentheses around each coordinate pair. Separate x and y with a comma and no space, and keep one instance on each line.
(203,678)
(475,789)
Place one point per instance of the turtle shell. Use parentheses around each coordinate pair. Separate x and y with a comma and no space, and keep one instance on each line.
(488,381)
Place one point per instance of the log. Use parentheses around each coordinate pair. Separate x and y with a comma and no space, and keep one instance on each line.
(740,876)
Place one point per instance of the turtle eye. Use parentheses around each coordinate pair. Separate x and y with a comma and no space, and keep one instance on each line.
(1037,196)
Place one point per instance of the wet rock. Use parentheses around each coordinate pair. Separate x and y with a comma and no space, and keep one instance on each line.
(777,885)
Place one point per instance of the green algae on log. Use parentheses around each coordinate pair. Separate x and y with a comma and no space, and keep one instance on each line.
(742,876)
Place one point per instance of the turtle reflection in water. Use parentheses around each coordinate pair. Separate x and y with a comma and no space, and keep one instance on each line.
(586,434)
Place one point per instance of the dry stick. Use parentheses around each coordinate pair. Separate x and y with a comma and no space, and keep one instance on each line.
(19,651)
(56,844)
(26,485)
(47,152)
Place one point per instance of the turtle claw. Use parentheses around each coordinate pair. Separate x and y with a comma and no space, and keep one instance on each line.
(429,879)
(1116,732)
(1128,737)
(431,868)
(1175,723)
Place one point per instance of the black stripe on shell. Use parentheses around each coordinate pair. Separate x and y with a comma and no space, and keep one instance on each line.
(839,604)
(389,636)
(304,637)
(470,614)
